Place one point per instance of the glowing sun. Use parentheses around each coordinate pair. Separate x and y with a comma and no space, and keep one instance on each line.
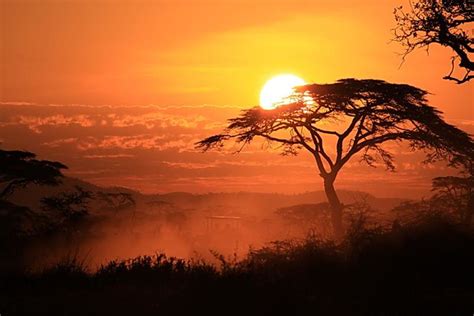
(278,88)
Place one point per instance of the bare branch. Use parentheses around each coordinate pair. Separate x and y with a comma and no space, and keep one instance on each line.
(437,22)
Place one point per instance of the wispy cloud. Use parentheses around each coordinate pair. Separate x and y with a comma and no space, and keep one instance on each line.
(152,120)
(37,123)
(133,142)
(108,156)
(39,117)
(123,142)
(60,142)
(19,103)
(151,148)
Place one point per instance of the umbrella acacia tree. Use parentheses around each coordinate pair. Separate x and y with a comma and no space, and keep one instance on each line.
(361,115)
(456,193)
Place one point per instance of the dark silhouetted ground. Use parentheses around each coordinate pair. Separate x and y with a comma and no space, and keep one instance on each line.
(417,269)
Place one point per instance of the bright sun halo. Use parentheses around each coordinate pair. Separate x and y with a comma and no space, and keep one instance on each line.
(277,89)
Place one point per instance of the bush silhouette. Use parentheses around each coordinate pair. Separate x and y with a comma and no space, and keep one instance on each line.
(419,268)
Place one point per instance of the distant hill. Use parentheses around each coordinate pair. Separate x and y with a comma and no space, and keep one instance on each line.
(248,202)
(243,201)
(24,215)
(107,202)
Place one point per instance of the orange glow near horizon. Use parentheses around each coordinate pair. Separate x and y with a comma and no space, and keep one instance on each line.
(121,90)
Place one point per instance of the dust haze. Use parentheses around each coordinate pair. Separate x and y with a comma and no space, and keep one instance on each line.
(190,226)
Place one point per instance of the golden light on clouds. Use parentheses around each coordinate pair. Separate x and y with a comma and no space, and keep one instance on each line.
(154,74)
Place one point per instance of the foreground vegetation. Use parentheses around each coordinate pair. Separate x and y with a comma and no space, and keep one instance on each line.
(422,268)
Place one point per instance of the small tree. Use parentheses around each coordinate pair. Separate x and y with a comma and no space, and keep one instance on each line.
(442,22)
(456,193)
(116,201)
(360,115)
(69,205)
(20,168)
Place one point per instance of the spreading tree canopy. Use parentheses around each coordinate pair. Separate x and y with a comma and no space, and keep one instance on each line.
(360,116)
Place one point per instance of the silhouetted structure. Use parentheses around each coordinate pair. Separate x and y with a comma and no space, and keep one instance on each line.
(222,222)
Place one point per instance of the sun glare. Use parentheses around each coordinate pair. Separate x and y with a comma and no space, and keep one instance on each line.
(278,88)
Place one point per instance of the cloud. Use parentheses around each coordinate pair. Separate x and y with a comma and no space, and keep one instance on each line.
(123,142)
(190,165)
(151,120)
(158,142)
(151,148)
(39,118)
(108,156)
(121,106)
(60,142)
(36,124)
(18,103)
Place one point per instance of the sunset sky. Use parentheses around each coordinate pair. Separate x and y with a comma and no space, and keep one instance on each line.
(121,90)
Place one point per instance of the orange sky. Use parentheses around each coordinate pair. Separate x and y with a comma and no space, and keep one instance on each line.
(179,56)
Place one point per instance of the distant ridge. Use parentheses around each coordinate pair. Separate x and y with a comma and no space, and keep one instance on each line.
(31,195)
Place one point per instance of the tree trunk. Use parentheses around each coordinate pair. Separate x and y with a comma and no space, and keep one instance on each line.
(336,207)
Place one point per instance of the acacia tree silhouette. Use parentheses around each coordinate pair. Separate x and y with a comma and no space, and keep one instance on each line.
(360,114)
(440,22)
(456,193)
(71,205)
(20,168)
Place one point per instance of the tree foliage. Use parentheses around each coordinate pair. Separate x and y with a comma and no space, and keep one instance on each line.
(453,198)
(360,116)
(372,113)
(20,168)
(116,201)
(442,22)
(455,194)
(70,205)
